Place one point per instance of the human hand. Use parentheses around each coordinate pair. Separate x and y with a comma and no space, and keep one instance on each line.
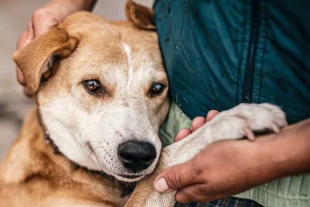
(222,169)
(42,19)
(196,124)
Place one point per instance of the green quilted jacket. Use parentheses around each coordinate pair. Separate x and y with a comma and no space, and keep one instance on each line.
(220,53)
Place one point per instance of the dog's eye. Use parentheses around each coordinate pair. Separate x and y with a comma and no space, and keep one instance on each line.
(157,88)
(92,86)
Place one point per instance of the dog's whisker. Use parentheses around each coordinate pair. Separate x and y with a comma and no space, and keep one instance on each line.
(65,146)
(94,141)
(100,174)
(88,171)
(100,147)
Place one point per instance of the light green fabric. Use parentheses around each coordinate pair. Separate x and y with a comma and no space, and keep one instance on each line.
(291,191)
(286,192)
(176,120)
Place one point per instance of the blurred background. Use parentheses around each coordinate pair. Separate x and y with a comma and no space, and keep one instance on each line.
(14,17)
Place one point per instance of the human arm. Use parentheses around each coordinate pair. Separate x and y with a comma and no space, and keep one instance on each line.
(229,167)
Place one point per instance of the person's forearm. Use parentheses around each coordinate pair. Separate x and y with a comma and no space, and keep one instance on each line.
(292,149)
(87,5)
(279,155)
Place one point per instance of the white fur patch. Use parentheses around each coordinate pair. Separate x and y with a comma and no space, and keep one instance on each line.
(127,50)
(91,139)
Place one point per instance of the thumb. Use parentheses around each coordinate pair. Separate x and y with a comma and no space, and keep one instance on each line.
(175,178)
(42,26)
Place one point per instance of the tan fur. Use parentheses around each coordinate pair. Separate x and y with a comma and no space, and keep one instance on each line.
(31,174)
(57,42)
(141,16)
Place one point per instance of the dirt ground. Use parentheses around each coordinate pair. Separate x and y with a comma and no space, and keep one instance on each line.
(14,16)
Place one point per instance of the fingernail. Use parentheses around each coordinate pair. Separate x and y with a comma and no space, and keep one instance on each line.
(161,185)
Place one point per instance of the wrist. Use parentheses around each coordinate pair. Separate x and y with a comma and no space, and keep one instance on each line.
(265,164)
(88,5)
(279,155)
(268,159)
(78,5)
(292,149)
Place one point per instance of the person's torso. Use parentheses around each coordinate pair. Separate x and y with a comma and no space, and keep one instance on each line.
(221,53)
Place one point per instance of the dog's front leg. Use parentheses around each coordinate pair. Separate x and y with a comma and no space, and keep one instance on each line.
(235,123)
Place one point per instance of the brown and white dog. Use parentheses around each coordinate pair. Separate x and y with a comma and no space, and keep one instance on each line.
(101,94)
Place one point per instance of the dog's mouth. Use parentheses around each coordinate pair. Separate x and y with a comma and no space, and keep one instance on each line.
(131,176)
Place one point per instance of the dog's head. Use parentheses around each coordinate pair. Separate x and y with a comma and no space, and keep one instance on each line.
(101,89)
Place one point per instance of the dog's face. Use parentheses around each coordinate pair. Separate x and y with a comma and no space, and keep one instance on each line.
(104,93)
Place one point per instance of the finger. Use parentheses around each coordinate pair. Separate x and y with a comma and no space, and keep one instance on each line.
(198,122)
(176,177)
(182,134)
(42,22)
(27,92)
(26,37)
(199,193)
(211,114)
(192,193)
(30,31)
(42,28)
(20,77)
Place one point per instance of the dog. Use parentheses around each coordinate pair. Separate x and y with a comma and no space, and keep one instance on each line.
(101,94)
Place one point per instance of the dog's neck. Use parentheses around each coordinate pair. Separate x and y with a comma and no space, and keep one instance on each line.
(47,138)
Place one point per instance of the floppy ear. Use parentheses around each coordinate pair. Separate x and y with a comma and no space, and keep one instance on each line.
(36,59)
(141,16)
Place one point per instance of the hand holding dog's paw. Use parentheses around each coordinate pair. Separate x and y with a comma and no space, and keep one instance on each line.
(226,168)
(222,169)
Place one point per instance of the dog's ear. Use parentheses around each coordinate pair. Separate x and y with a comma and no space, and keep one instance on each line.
(36,59)
(141,16)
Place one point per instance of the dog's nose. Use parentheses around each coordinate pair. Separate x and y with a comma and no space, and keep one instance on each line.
(136,156)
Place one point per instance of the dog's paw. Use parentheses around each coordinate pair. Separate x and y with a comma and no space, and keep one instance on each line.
(244,119)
